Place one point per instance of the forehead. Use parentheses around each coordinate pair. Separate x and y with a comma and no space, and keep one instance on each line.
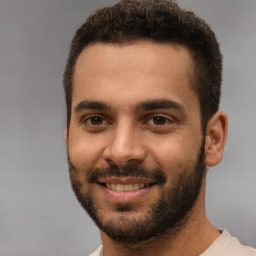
(137,71)
(141,55)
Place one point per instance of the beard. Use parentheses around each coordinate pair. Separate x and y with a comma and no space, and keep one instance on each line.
(167,215)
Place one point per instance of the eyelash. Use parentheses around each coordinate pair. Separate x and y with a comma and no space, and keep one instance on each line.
(89,119)
(165,120)
(150,120)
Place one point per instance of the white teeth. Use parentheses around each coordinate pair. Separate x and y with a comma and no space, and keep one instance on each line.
(136,186)
(125,187)
(128,187)
(142,185)
(119,187)
(113,186)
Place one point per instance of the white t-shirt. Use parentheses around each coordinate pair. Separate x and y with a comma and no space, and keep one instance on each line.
(224,245)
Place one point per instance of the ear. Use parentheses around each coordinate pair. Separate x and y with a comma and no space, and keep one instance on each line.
(216,134)
(66,135)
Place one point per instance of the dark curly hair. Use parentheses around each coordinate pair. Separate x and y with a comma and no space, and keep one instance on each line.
(160,21)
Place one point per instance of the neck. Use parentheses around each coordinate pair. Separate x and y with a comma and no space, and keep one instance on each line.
(191,239)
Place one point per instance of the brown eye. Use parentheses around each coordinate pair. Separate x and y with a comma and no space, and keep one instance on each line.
(95,120)
(159,120)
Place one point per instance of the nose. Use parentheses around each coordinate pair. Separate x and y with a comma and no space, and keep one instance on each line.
(124,147)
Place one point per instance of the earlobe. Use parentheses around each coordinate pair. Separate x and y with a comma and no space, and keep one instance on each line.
(216,135)
(66,135)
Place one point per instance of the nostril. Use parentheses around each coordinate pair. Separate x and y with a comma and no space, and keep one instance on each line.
(123,150)
(110,162)
(134,161)
(123,163)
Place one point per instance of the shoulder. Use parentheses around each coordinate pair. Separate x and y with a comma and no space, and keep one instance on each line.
(98,252)
(227,245)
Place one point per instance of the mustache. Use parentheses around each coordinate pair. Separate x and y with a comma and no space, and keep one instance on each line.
(132,171)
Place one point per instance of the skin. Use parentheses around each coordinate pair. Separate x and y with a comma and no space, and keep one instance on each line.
(123,78)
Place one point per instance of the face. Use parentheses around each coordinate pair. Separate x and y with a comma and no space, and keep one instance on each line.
(135,143)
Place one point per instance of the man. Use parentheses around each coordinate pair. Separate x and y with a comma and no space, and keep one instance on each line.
(143,84)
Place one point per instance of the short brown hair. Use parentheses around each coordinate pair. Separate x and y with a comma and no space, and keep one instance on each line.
(159,21)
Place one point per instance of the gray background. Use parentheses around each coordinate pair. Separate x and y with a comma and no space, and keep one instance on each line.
(39,214)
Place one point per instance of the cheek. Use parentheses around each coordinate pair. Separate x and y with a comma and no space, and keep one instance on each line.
(84,151)
(170,154)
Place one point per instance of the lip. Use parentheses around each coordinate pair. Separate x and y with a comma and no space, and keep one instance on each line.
(126,180)
(126,196)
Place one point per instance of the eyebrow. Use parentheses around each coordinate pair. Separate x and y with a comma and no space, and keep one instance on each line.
(145,105)
(160,104)
(91,104)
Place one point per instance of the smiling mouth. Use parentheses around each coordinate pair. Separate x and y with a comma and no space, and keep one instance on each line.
(126,187)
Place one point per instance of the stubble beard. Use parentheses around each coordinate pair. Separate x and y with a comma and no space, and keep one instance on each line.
(165,216)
